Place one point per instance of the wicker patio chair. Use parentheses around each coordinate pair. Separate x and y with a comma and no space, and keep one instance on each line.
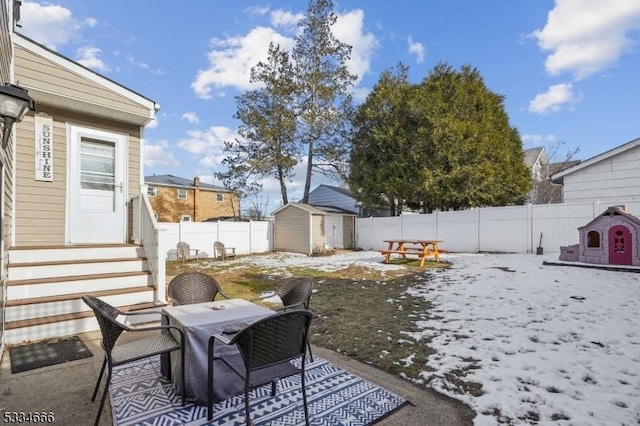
(267,347)
(194,287)
(117,354)
(295,293)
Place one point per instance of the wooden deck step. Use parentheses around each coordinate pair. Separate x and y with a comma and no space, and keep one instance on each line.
(71,278)
(74,296)
(74,262)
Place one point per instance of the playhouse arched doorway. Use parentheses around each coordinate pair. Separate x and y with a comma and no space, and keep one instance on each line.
(619,245)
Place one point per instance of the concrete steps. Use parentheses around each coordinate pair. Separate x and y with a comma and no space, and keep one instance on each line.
(45,287)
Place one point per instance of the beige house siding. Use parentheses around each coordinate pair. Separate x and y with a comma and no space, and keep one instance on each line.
(317,233)
(5,42)
(292,230)
(41,206)
(57,80)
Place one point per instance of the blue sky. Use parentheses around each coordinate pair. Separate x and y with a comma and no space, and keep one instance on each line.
(568,69)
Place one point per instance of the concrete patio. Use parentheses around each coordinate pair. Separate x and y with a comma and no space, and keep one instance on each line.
(65,389)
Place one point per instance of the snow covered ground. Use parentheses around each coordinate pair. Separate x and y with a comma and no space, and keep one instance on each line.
(554,344)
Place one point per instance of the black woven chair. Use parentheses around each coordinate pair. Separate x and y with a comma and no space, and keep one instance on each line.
(118,354)
(194,287)
(267,347)
(295,293)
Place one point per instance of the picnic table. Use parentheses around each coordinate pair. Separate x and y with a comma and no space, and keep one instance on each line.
(420,248)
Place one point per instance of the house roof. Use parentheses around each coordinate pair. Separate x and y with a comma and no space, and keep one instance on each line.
(614,211)
(334,209)
(596,159)
(339,189)
(532,155)
(178,182)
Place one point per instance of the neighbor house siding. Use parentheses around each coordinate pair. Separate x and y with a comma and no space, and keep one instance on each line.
(200,204)
(292,230)
(5,43)
(41,206)
(30,71)
(614,178)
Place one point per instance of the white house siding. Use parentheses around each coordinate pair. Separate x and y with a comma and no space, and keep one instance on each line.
(292,230)
(614,178)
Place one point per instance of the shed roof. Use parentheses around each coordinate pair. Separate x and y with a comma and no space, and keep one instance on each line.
(308,208)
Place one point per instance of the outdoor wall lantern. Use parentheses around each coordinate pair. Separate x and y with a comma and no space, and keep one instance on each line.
(14,105)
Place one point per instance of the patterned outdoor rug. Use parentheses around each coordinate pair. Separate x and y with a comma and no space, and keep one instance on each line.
(139,395)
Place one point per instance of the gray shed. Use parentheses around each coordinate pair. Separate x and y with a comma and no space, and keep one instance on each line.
(306,229)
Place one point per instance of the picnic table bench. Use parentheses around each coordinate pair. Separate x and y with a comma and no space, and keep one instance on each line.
(420,248)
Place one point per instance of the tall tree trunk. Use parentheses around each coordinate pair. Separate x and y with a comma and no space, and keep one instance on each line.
(307,184)
(283,186)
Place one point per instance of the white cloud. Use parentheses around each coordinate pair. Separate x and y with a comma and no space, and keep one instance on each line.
(231,60)
(554,99)
(88,56)
(417,49)
(349,28)
(91,22)
(159,154)
(191,117)
(587,36)
(208,145)
(257,10)
(286,20)
(51,25)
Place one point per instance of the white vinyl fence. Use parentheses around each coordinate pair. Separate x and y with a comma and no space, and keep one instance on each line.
(515,229)
(246,237)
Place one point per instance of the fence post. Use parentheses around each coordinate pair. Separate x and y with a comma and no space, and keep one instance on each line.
(250,234)
(477,230)
(530,237)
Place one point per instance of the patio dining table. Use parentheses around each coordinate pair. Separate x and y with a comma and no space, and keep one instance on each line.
(198,322)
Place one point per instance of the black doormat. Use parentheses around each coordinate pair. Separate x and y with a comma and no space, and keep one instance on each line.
(47,352)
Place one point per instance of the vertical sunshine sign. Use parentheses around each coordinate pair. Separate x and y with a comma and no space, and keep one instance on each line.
(44,148)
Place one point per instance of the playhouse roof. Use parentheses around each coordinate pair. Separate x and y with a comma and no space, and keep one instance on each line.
(614,211)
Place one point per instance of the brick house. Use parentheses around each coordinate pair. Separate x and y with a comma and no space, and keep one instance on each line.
(176,199)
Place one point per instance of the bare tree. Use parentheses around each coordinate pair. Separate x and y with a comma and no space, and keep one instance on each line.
(544,190)
(258,207)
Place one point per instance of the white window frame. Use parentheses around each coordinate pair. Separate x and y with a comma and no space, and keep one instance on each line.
(152,191)
(220,197)
(182,191)
(185,218)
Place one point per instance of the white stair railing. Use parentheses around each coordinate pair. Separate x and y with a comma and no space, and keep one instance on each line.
(147,233)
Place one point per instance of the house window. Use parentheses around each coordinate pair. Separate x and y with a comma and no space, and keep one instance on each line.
(219,198)
(152,191)
(185,218)
(593,239)
(182,194)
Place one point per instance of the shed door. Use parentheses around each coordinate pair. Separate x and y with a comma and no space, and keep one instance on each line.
(96,186)
(619,245)
(333,231)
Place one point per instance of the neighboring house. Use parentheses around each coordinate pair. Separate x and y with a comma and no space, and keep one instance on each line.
(307,229)
(342,198)
(176,199)
(536,160)
(71,189)
(544,190)
(613,176)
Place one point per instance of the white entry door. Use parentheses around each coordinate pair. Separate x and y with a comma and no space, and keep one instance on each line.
(96,186)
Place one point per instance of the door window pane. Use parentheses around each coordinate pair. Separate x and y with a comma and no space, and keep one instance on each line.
(97,165)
